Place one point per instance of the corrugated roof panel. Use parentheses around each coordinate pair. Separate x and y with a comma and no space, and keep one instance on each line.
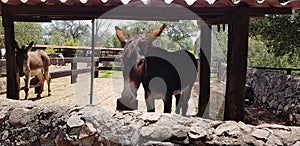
(52,2)
(223,3)
(295,4)
(113,3)
(12,2)
(95,2)
(200,3)
(272,3)
(32,2)
(70,2)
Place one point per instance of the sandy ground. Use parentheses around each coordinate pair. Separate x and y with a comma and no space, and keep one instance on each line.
(107,90)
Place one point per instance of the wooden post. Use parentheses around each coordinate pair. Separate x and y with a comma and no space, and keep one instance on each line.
(236,67)
(96,74)
(13,79)
(289,71)
(204,82)
(74,68)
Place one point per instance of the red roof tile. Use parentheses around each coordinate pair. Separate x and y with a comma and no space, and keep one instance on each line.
(198,3)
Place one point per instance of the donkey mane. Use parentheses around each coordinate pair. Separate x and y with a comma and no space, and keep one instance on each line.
(132,47)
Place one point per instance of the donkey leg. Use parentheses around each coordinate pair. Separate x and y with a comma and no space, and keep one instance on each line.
(41,83)
(168,103)
(26,88)
(185,99)
(150,104)
(178,103)
(48,78)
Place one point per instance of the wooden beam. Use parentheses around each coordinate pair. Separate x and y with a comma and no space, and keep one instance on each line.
(236,67)
(55,12)
(204,82)
(217,20)
(13,79)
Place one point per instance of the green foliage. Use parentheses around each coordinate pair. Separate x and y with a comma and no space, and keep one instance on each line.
(25,32)
(71,42)
(107,73)
(281,34)
(112,43)
(177,35)
(115,42)
(60,32)
(49,50)
(2,39)
(259,56)
(219,44)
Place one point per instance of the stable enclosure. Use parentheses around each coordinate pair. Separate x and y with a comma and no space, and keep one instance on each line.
(96,125)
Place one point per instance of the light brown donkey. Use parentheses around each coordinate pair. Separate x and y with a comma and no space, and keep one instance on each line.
(31,64)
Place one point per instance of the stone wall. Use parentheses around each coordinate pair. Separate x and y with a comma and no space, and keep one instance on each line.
(276,92)
(29,123)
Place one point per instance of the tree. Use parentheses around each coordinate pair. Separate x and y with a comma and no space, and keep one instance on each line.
(281,34)
(102,34)
(27,31)
(60,32)
(24,33)
(177,35)
(112,43)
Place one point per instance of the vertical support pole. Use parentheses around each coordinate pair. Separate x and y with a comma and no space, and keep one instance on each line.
(236,67)
(96,72)
(289,71)
(93,63)
(13,79)
(74,68)
(204,82)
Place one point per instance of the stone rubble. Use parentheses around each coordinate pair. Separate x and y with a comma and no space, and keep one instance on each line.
(29,123)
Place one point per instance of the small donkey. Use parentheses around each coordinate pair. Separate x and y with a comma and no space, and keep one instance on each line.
(33,63)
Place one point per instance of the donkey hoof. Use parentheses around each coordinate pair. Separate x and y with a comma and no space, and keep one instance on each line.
(49,94)
(39,96)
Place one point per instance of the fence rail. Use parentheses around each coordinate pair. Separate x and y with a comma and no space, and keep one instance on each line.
(288,70)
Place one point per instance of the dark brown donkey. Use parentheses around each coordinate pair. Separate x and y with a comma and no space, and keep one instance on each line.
(161,73)
(31,64)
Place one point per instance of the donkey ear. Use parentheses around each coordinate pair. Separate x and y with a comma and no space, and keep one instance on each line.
(28,48)
(152,36)
(121,36)
(157,32)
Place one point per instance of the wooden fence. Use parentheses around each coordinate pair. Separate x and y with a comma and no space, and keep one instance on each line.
(287,70)
(222,71)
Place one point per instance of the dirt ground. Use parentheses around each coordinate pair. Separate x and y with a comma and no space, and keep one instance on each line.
(107,90)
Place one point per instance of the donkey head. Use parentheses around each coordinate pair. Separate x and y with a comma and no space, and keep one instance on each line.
(22,60)
(133,59)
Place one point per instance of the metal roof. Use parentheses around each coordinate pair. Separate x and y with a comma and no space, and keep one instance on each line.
(47,10)
(185,3)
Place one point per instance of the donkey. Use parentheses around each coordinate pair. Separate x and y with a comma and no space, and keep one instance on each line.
(162,73)
(31,64)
